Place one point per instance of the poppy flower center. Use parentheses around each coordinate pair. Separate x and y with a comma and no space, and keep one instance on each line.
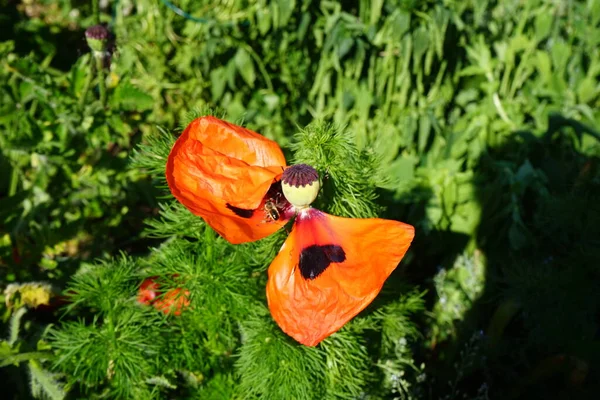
(300,184)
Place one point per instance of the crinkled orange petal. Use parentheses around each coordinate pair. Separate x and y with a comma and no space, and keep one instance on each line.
(173,301)
(236,142)
(308,309)
(222,172)
(147,292)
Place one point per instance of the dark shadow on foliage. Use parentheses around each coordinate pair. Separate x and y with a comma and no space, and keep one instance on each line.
(67,45)
(433,247)
(538,317)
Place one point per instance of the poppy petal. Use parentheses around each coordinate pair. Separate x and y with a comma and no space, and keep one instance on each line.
(148,291)
(329,269)
(236,142)
(174,301)
(222,173)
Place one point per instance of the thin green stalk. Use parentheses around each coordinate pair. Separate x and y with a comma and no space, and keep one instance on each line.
(259,64)
(87,84)
(101,79)
(15,325)
(33,108)
(13,359)
(209,240)
(14,179)
(96,11)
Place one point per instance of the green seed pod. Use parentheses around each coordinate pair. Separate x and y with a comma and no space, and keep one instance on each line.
(300,184)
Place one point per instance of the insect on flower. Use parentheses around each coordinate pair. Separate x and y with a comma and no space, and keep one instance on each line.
(272,210)
(276,204)
(226,174)
(329,268)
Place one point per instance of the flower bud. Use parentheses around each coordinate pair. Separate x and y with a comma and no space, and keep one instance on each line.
(97,38)
(300,184)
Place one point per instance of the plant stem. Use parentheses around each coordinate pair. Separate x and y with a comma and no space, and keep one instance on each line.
(209,239)
(21,357)
(14,181)
(15,325)
(101,78)
(96,11)
(87,84)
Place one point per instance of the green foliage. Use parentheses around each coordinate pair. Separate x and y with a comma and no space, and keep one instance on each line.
(474,121)
(106,348)
(457,291)
(65,180)
(21,351)
(285,369)
(347,173)
(45,384)
(226,316)
(151,155)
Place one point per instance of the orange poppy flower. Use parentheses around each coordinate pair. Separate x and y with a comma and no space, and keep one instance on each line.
(229,176)
(171,301)
(329,269)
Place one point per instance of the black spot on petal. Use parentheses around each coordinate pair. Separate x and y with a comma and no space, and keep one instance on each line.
(240,212)
(315,259)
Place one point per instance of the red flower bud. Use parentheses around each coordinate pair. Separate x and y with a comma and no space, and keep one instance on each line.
(171,301)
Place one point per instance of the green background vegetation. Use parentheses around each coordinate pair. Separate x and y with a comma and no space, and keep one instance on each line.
(474,121)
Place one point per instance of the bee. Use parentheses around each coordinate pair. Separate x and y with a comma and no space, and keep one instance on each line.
(275,203)
(271,210)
